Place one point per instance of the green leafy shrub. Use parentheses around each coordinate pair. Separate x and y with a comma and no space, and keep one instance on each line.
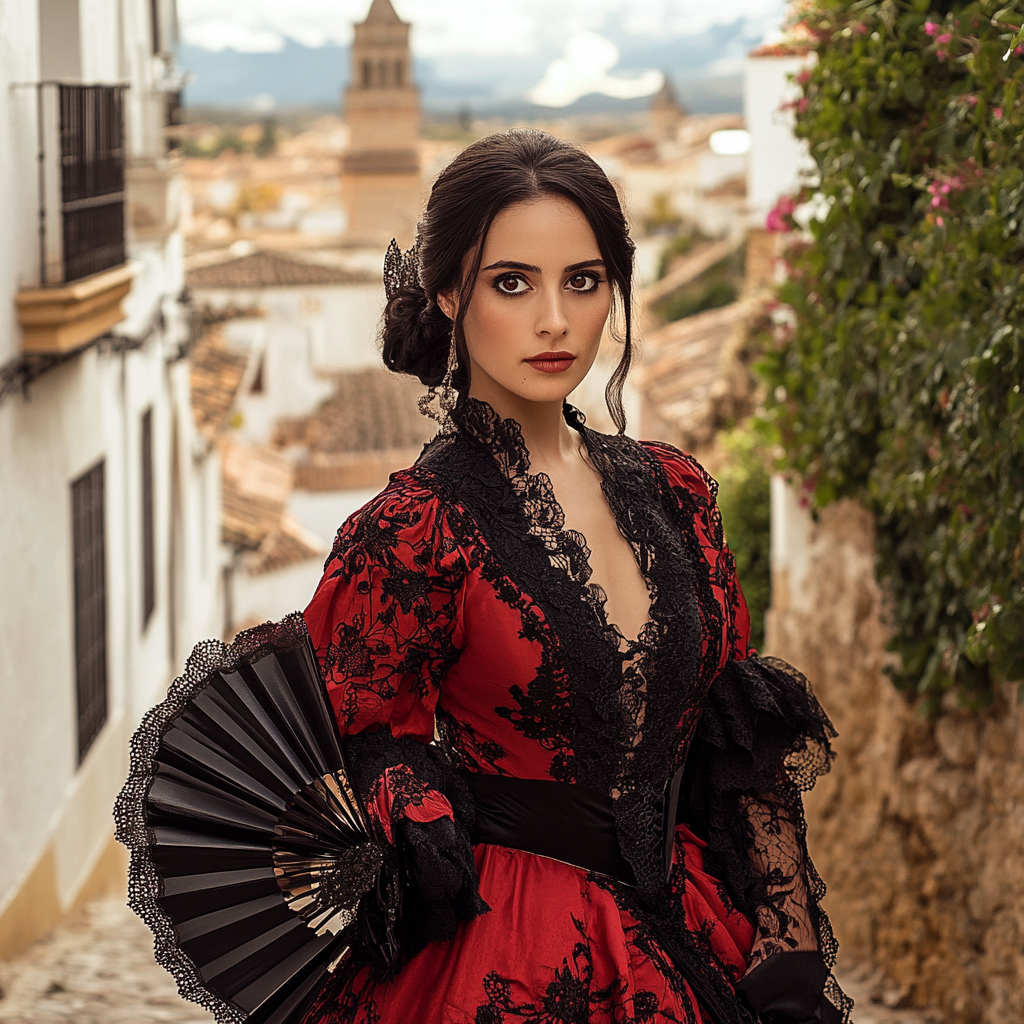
(744,501)
(895,363)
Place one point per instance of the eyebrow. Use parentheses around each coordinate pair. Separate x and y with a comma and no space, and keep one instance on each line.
(530,268)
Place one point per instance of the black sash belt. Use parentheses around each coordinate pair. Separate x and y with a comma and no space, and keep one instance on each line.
(552,819)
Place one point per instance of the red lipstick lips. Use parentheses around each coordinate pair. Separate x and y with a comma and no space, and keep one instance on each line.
(551,362)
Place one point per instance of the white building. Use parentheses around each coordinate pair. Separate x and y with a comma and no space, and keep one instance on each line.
(777,159)
(305,323)
(109,511)
(307,320)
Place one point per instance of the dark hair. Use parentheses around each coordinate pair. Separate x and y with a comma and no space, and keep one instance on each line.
(485,178)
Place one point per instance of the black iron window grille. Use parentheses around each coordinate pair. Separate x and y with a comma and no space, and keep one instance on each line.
(90,584)
(88,190)
(148,523)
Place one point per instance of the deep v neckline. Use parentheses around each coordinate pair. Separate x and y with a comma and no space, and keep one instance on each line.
(568,549)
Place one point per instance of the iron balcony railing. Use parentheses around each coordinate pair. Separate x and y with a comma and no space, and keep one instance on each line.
(82,197)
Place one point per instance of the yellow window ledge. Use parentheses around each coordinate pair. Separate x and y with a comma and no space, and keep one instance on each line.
(67,316)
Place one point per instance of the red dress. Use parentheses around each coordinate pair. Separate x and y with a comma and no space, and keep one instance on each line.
(456,608)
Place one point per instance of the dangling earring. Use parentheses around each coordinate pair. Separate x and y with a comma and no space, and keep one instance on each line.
(444,395)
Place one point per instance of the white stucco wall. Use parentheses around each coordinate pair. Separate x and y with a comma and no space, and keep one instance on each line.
(776,157)
(87,409)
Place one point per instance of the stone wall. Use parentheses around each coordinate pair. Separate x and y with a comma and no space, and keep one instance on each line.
(919,829)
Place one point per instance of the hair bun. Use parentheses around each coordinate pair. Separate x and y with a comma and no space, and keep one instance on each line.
(415,335)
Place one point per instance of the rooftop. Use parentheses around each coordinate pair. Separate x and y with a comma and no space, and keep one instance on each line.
(370,410)
(255,486)
(693,381)
(216,373)
(270,269)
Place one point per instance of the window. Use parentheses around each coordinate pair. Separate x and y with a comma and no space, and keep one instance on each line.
(367,74)
(154,25)
(148,526)
(92,178)
(90,586)
(399,73)
(256,388)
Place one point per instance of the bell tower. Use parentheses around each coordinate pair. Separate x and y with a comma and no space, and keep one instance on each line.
(381,170)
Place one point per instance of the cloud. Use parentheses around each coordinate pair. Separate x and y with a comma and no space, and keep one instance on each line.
(584,69)
(444,27)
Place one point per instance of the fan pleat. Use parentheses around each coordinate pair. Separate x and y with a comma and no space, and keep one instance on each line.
(324,949)
(191,902)
(286,1005)
(202,804)
(204,924)
(209,764)
(209,945)
(280,697)
(243,743)
(177,884)
(241,966)
(263,714)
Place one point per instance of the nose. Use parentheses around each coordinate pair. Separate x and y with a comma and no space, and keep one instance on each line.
(551,318)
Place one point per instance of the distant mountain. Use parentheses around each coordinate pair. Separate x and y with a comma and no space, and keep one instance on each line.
(704,69)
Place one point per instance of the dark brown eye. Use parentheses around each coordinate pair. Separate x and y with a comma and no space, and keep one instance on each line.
(511,284)
(583,282)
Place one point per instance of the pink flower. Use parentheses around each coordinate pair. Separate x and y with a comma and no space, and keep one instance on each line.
(802,105)
(945,189)
(804,77)
(973,100)
(944,38)
(940,222)
(941,54)
(778,218)
(931,27)
(997,112)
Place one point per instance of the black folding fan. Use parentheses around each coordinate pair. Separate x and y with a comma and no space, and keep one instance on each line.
(250,852)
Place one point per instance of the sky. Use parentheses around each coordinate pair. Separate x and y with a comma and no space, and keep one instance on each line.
(551,52)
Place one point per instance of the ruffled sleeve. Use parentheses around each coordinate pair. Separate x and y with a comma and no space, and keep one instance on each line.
(386,623)
(762,741)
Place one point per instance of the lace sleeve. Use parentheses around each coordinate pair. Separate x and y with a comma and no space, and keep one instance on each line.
(385,622)
(762,741)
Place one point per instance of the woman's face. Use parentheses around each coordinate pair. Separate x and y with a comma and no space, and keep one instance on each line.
(539,305)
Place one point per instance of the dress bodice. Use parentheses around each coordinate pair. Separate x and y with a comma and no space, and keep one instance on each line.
(527,677)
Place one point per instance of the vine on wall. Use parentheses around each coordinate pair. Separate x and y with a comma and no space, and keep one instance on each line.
(895,362)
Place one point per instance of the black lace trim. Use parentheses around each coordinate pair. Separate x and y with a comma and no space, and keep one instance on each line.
(441,887)
(622,708)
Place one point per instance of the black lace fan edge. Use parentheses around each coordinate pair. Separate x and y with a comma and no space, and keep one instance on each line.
(144,885)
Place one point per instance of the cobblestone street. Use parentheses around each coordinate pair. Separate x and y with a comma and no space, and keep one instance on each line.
(99,969)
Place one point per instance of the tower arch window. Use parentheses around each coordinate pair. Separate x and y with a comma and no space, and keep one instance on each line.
(399,72)
(367,74)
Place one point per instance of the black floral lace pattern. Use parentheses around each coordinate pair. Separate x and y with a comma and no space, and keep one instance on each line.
(617,716)
(619,708)
(571,997)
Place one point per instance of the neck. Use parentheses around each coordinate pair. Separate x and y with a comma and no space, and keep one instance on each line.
(546,435)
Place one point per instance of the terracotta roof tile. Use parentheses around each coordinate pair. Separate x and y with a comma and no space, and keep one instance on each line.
(216,373)
(371,410)
(255,484)
(692,377)
(269,269)
(289,544)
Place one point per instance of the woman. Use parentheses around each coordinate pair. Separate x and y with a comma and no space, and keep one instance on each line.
(609,826)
